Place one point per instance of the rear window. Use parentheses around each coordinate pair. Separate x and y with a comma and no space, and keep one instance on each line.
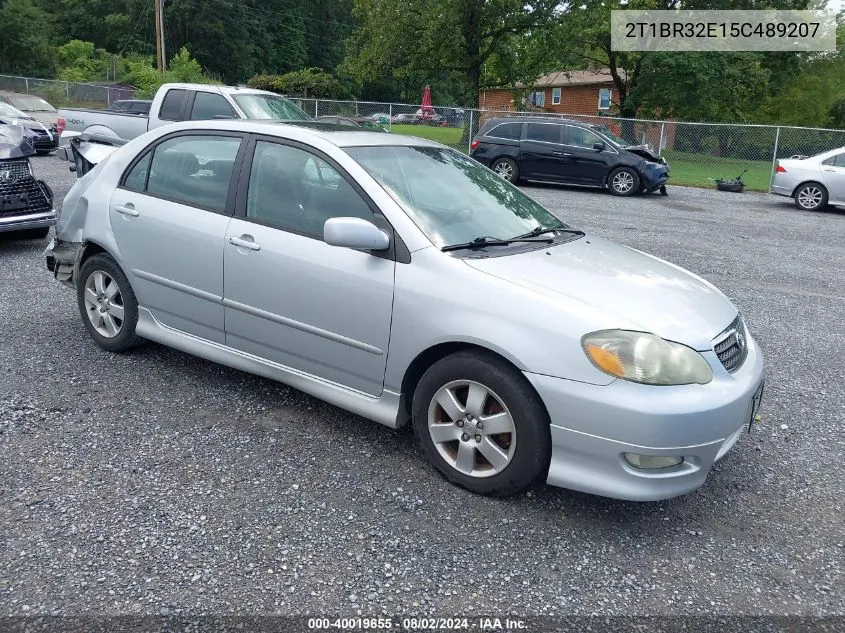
(511,131)
(545,132)
(173,105)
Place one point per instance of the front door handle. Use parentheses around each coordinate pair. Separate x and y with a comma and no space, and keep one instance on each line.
(561,154)
(245,241)
(127,209)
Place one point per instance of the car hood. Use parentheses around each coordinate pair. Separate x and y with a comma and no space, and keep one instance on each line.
(637,291)
(644,151)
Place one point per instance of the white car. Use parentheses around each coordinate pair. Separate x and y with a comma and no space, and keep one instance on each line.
(814,182)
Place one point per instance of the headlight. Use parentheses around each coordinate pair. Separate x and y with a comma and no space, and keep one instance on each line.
(645,358)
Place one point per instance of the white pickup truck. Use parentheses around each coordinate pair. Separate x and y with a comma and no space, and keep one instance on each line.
(179,102)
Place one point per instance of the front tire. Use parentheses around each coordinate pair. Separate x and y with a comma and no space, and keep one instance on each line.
(481,425)
(811,196)
(623,181)
(107,304)
(506,168)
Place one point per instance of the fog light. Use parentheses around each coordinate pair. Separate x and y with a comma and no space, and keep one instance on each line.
(652,462)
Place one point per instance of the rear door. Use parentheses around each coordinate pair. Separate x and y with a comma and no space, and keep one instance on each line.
(833,175)
(541,152)
(169,217)
(585,164)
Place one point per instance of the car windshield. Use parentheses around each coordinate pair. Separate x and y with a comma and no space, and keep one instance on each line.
(451,197)
(604,130)
(7,110)
(261,106)
(30,103)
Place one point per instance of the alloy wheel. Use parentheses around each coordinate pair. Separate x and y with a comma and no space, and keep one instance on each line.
(104,304)
(471,428)
(622,182)
(504,169)
(810,197)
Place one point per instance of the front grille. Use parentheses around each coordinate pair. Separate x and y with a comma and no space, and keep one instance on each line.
(25,189)
(731,345)
(18,168)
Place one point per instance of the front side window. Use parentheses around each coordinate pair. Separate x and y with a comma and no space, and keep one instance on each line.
(265,106)
(544,132)
(295,190)
(579,137)
(194,170)
(555,96)
(469,200)
(208,106)
(172,105)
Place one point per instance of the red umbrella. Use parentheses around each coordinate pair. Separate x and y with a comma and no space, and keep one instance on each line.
(426,100)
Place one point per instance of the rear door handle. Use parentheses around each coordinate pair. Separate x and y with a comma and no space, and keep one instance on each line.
(245,241)
(128,209)
(561,154)
(829,169)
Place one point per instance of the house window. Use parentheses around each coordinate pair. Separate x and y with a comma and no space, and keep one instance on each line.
(604,98)
(555,96)
(537,98)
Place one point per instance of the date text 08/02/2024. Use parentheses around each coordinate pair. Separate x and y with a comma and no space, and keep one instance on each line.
(418,624)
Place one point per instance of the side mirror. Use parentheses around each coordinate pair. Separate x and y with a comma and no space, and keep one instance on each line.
(355,233)
(599,147)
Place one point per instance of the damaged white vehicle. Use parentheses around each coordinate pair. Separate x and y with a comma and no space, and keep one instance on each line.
(404,281)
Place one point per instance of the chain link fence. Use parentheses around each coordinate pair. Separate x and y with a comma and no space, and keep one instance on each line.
(67,93)
(697,153)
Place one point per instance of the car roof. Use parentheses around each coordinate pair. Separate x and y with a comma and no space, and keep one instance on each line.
(534,119)
(338,135)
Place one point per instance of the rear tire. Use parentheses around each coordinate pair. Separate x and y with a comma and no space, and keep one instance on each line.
(811,196)
(107,304)
(506,168)
(492,437)
(623,181)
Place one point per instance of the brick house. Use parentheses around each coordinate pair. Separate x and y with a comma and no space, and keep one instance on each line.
(567,91)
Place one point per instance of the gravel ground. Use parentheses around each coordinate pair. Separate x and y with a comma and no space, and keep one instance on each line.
(155,482)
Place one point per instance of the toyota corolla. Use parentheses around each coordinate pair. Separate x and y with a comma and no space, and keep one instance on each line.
(405,282)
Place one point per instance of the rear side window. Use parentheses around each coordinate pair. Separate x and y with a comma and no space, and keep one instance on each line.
(208,106)
(545,132)
(512,131)
(194,170)
(836,161)
(173,105)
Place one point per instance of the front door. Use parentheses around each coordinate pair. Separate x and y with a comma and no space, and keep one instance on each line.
(169,217)
(288,296)
(585,164)
(541,153)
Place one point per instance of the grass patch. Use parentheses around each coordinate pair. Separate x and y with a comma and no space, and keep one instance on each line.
(446,135)
(695,169)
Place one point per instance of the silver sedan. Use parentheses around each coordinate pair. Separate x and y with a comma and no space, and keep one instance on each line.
(403,281)
(813,182)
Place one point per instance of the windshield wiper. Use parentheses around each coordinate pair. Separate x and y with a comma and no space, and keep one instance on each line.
(540,230)
(481,242)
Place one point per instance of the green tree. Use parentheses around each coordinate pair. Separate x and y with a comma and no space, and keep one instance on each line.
(25,47)
(419,38)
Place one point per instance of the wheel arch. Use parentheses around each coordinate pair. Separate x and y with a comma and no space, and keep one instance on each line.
(809,181)
(428,357)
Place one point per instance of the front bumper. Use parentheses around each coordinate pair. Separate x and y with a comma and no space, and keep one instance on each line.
(655,176)
(28,221)
(593,426)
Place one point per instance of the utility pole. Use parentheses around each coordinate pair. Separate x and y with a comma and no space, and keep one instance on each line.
(159,18)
